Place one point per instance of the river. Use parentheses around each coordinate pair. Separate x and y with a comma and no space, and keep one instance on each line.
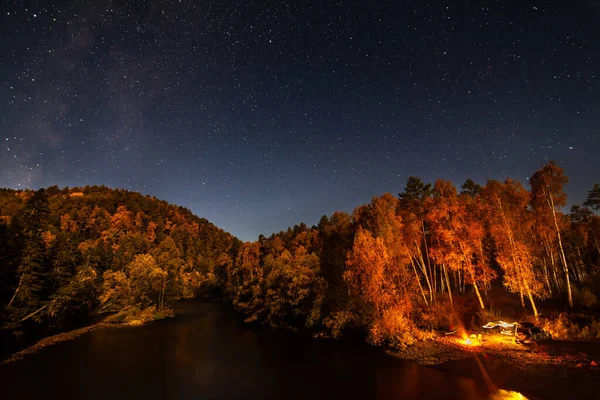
(207,353)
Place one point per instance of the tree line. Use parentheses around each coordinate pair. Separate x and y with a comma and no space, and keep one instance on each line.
(392,266)
(388,270)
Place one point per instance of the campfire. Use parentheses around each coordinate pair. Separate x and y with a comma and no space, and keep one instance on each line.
(507,395)
(472,340)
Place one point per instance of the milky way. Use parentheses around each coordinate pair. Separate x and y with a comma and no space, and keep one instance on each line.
(260,115)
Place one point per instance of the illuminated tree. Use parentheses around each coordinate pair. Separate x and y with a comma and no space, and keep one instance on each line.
(382,220)
(413,209)
(366,274)
(510,224)
(473,229)
(377,278)
(546,195)
(458,236)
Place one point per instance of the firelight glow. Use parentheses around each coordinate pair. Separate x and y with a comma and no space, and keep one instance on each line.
(507,395)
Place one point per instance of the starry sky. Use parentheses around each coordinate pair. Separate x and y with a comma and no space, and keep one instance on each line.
(258,115)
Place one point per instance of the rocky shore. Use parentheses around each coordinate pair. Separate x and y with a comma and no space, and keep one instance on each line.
(553,369)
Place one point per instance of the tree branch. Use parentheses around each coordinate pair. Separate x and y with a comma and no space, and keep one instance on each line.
(33,313)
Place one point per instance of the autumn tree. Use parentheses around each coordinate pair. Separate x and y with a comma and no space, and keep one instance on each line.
(116,292)
(546,196)
(510,224)
(382,219)
(245,284)
(379,272)
(474,223)
(294,292)
(413,211)
(458,238)
(379,285)
(168,259)
(365,275)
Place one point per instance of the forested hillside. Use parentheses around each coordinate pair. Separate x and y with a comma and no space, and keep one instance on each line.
(392,270)
(69,254)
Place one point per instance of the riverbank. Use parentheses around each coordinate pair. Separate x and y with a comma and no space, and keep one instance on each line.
(61,337)
(554,369)
(126,318)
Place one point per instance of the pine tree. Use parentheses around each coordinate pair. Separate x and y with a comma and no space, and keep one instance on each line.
(593,199)
(31,294)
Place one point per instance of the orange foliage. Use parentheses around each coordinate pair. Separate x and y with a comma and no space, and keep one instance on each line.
(67,224)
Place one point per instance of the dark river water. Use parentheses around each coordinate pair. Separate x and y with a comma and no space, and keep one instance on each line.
(207,353)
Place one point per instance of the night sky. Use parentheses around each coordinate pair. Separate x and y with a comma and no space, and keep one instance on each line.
(258,115)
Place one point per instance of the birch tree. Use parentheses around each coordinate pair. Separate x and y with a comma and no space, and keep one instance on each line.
(546,196)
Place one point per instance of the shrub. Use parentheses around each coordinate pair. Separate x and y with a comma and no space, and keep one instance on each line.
(572,326)
(559,327)
(585,297)
(337,321)
(133,315)
(125,315)
(439,316)
(163,313)
(396,329)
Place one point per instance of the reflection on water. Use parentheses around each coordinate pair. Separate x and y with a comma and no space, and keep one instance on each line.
(206,353)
